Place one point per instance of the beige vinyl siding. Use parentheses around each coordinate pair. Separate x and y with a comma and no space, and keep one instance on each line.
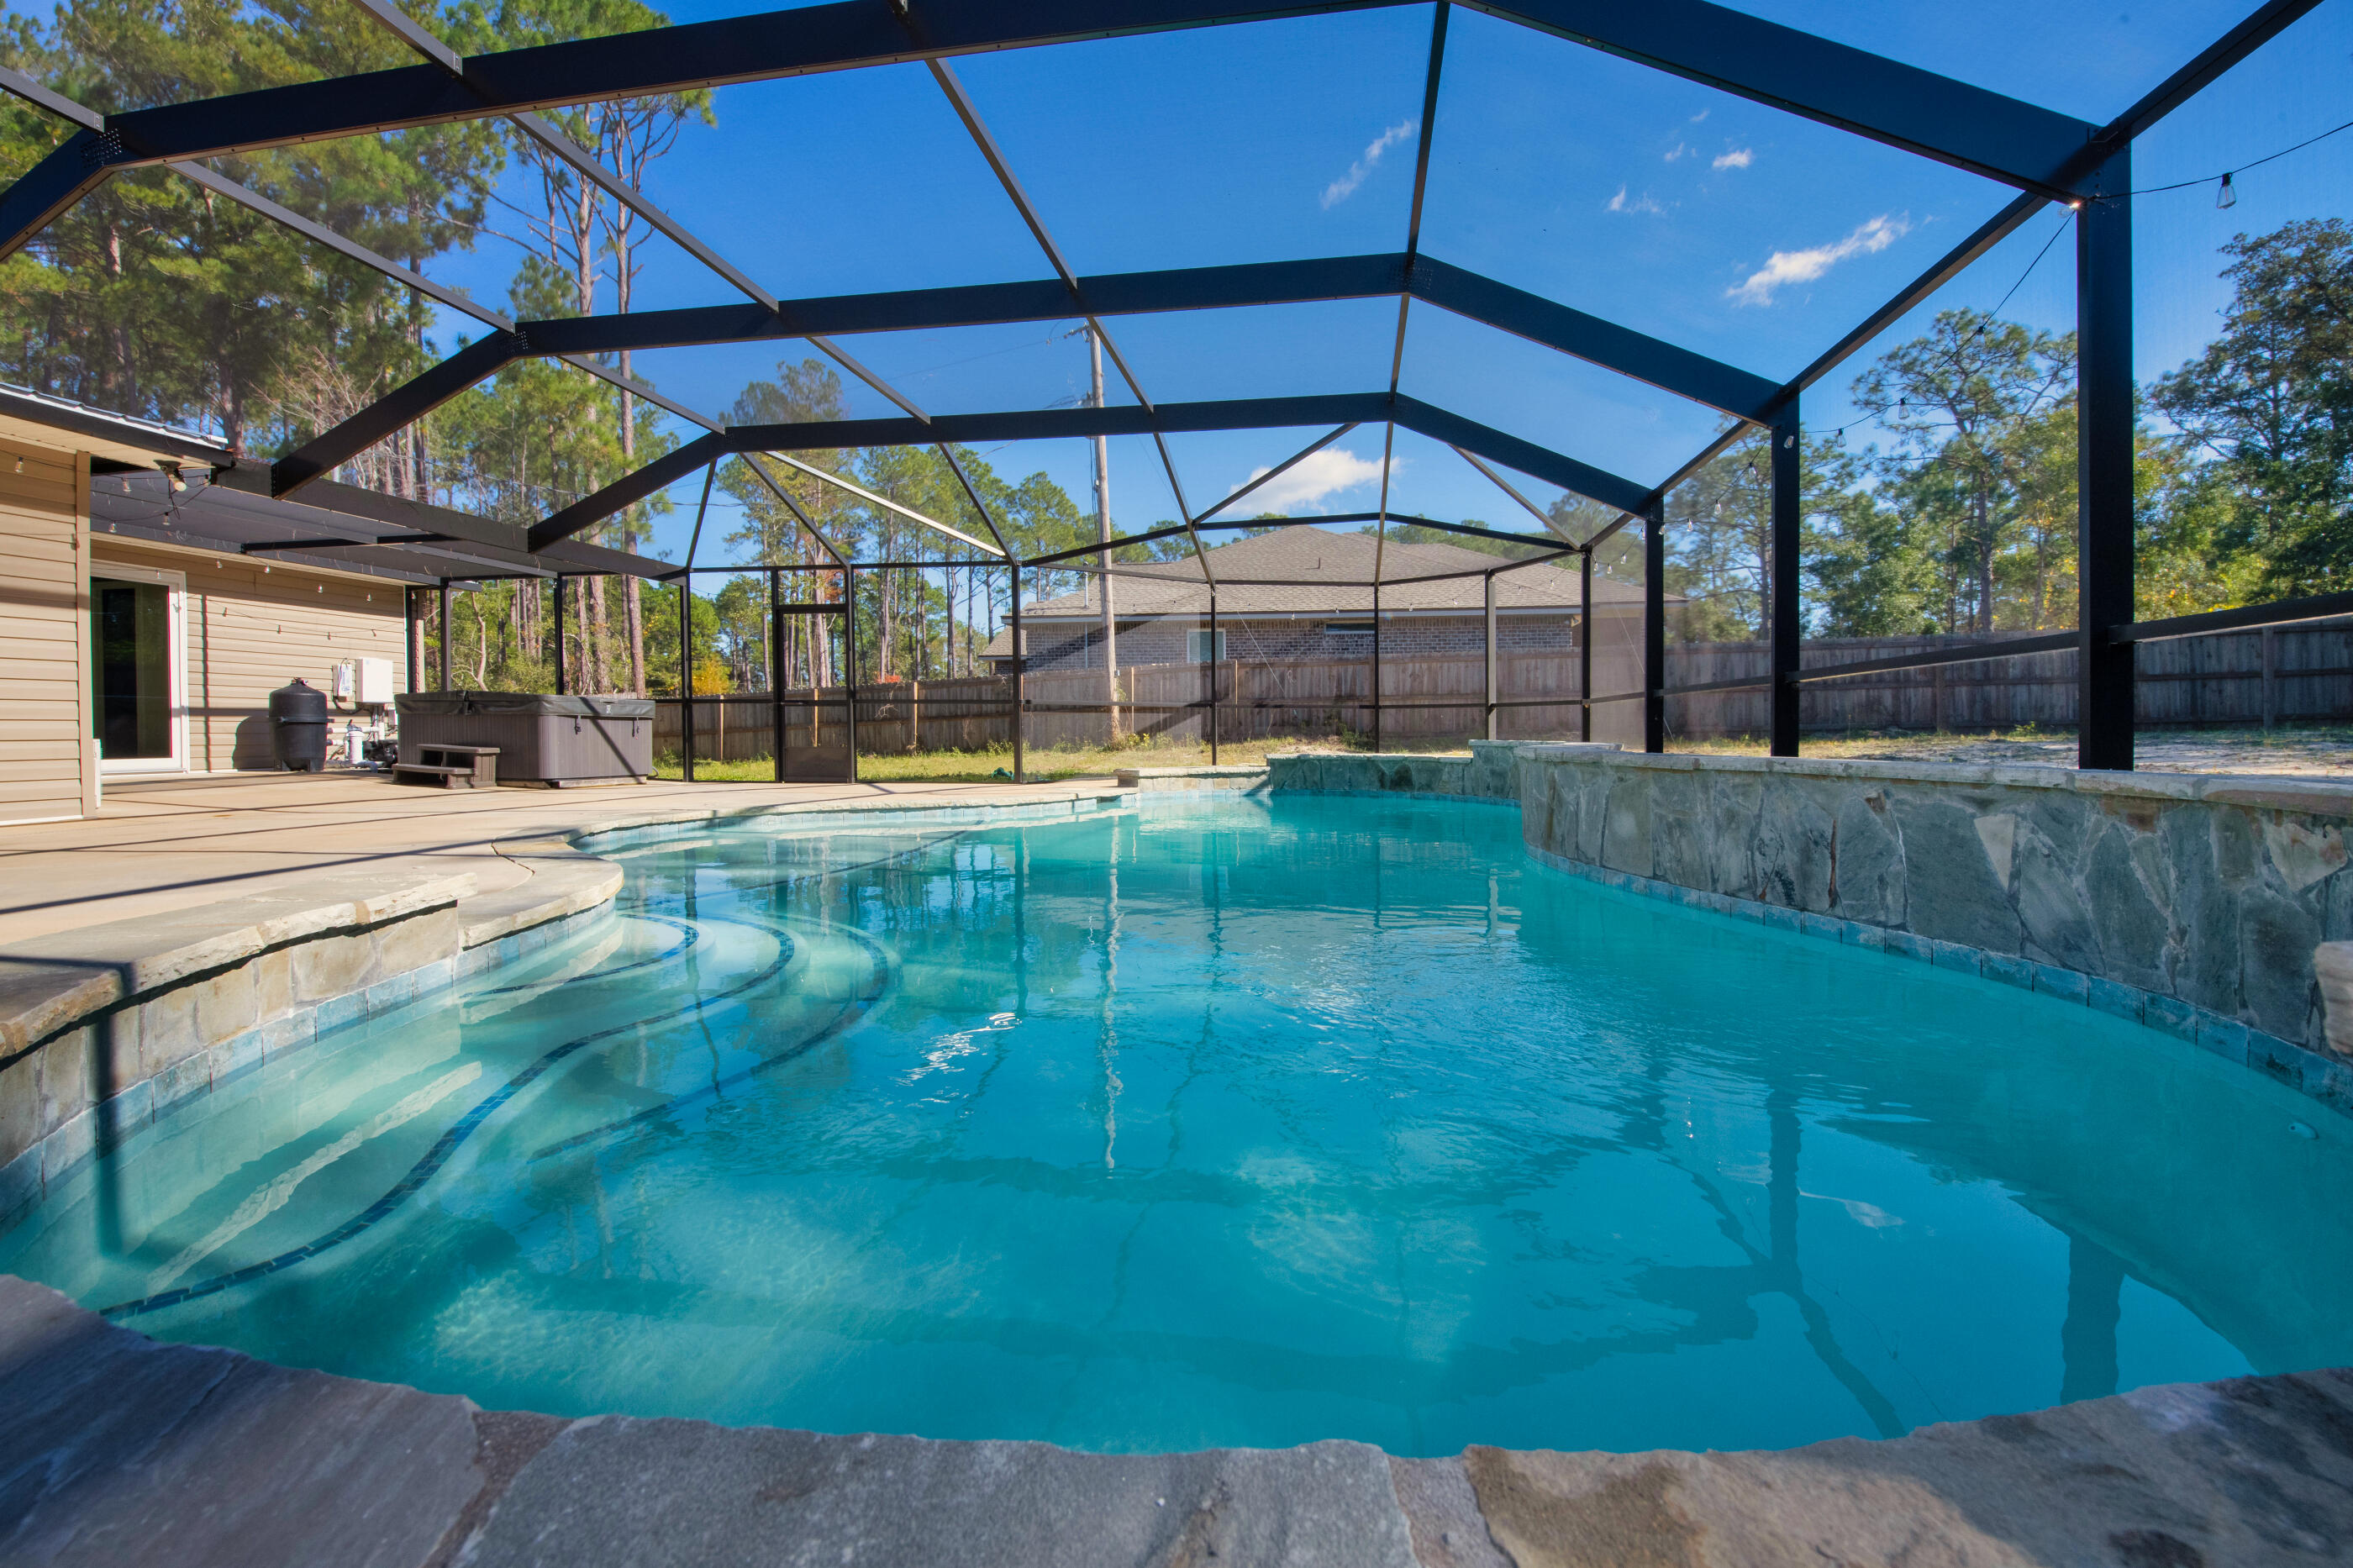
(43,627)
(252,626)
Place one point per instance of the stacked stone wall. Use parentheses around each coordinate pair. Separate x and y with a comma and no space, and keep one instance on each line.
(2191,903)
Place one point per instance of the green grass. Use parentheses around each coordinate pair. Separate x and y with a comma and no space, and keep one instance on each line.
(1043,765)
(2285,738)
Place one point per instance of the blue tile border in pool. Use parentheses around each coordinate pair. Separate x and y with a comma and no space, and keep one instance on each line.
(2316,1076)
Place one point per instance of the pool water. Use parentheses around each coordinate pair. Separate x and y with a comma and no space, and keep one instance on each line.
(1233,1122)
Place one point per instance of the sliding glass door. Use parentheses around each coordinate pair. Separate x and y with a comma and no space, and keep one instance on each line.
(136,662)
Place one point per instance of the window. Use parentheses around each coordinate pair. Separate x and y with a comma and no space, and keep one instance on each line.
(1199,650)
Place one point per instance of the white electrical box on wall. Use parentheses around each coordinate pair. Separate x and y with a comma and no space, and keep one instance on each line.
(375,682)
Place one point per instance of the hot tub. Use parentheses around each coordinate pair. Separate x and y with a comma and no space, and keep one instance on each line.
(541,740)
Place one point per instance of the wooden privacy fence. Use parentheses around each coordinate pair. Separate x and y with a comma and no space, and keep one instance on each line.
(1422,699)
(2232,677)
(2250,678)
(964,715)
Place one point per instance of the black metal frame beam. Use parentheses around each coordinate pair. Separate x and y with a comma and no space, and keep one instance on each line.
(2278,613)
(319,234)
(579,159)
(1049,424)
(1886,100)
(2207,623)
(1726,388)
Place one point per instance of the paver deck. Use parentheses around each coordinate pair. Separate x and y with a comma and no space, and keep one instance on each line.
(175,844)
(117,1450)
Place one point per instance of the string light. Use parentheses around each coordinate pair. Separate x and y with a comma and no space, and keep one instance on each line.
(2227,196)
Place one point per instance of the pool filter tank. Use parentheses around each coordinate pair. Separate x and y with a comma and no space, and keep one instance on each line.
(298,727)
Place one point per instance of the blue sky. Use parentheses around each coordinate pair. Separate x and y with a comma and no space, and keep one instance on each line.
(1719,225)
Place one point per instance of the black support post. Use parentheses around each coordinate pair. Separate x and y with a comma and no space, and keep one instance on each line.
(1214,661)
(1377,667)
(415,647)
(850,668)
(778,658)
(1584,641)
(1786,626)
(561,685)
(444,627)
(686,677)
(1020,707)
(2104,465)
(1654,626)
(1488,650)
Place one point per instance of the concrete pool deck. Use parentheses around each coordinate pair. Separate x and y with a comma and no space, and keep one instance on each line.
(177,844)
(119,1450)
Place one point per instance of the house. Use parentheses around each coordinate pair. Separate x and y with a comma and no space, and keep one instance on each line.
(1301,594)
(156,593)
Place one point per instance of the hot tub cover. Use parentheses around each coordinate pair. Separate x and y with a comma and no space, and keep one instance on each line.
(524,702)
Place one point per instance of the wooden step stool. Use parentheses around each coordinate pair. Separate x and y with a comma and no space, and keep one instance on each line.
(451,767)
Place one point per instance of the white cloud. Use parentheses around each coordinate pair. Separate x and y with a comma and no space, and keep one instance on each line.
(1804,266)
(1641,203)
(1682,148)
(1738,158)
(1700,116)
(1341,189)
(1309,481)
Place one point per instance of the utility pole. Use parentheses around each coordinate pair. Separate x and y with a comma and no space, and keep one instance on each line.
(1102,533)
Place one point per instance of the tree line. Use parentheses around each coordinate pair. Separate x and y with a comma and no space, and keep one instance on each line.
(1964,521)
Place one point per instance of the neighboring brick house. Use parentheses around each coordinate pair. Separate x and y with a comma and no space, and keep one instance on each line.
(1300,596)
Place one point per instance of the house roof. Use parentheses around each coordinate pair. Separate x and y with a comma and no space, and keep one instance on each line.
(1308,570)
(232,513)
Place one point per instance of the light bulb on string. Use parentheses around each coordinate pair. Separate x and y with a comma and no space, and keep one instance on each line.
(2228,194)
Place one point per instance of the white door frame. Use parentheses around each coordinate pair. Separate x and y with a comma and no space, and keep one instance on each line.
(175,664)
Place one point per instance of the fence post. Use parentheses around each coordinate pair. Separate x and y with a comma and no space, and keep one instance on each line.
(1654,626)
(685,678)
(2271,676)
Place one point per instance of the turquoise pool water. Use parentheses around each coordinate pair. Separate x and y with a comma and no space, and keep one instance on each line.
(1228,1123)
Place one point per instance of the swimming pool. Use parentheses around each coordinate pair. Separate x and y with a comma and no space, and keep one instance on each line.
(1227,1123)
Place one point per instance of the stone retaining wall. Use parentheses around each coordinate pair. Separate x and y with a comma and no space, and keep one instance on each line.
(2193,903)
(1491,772)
